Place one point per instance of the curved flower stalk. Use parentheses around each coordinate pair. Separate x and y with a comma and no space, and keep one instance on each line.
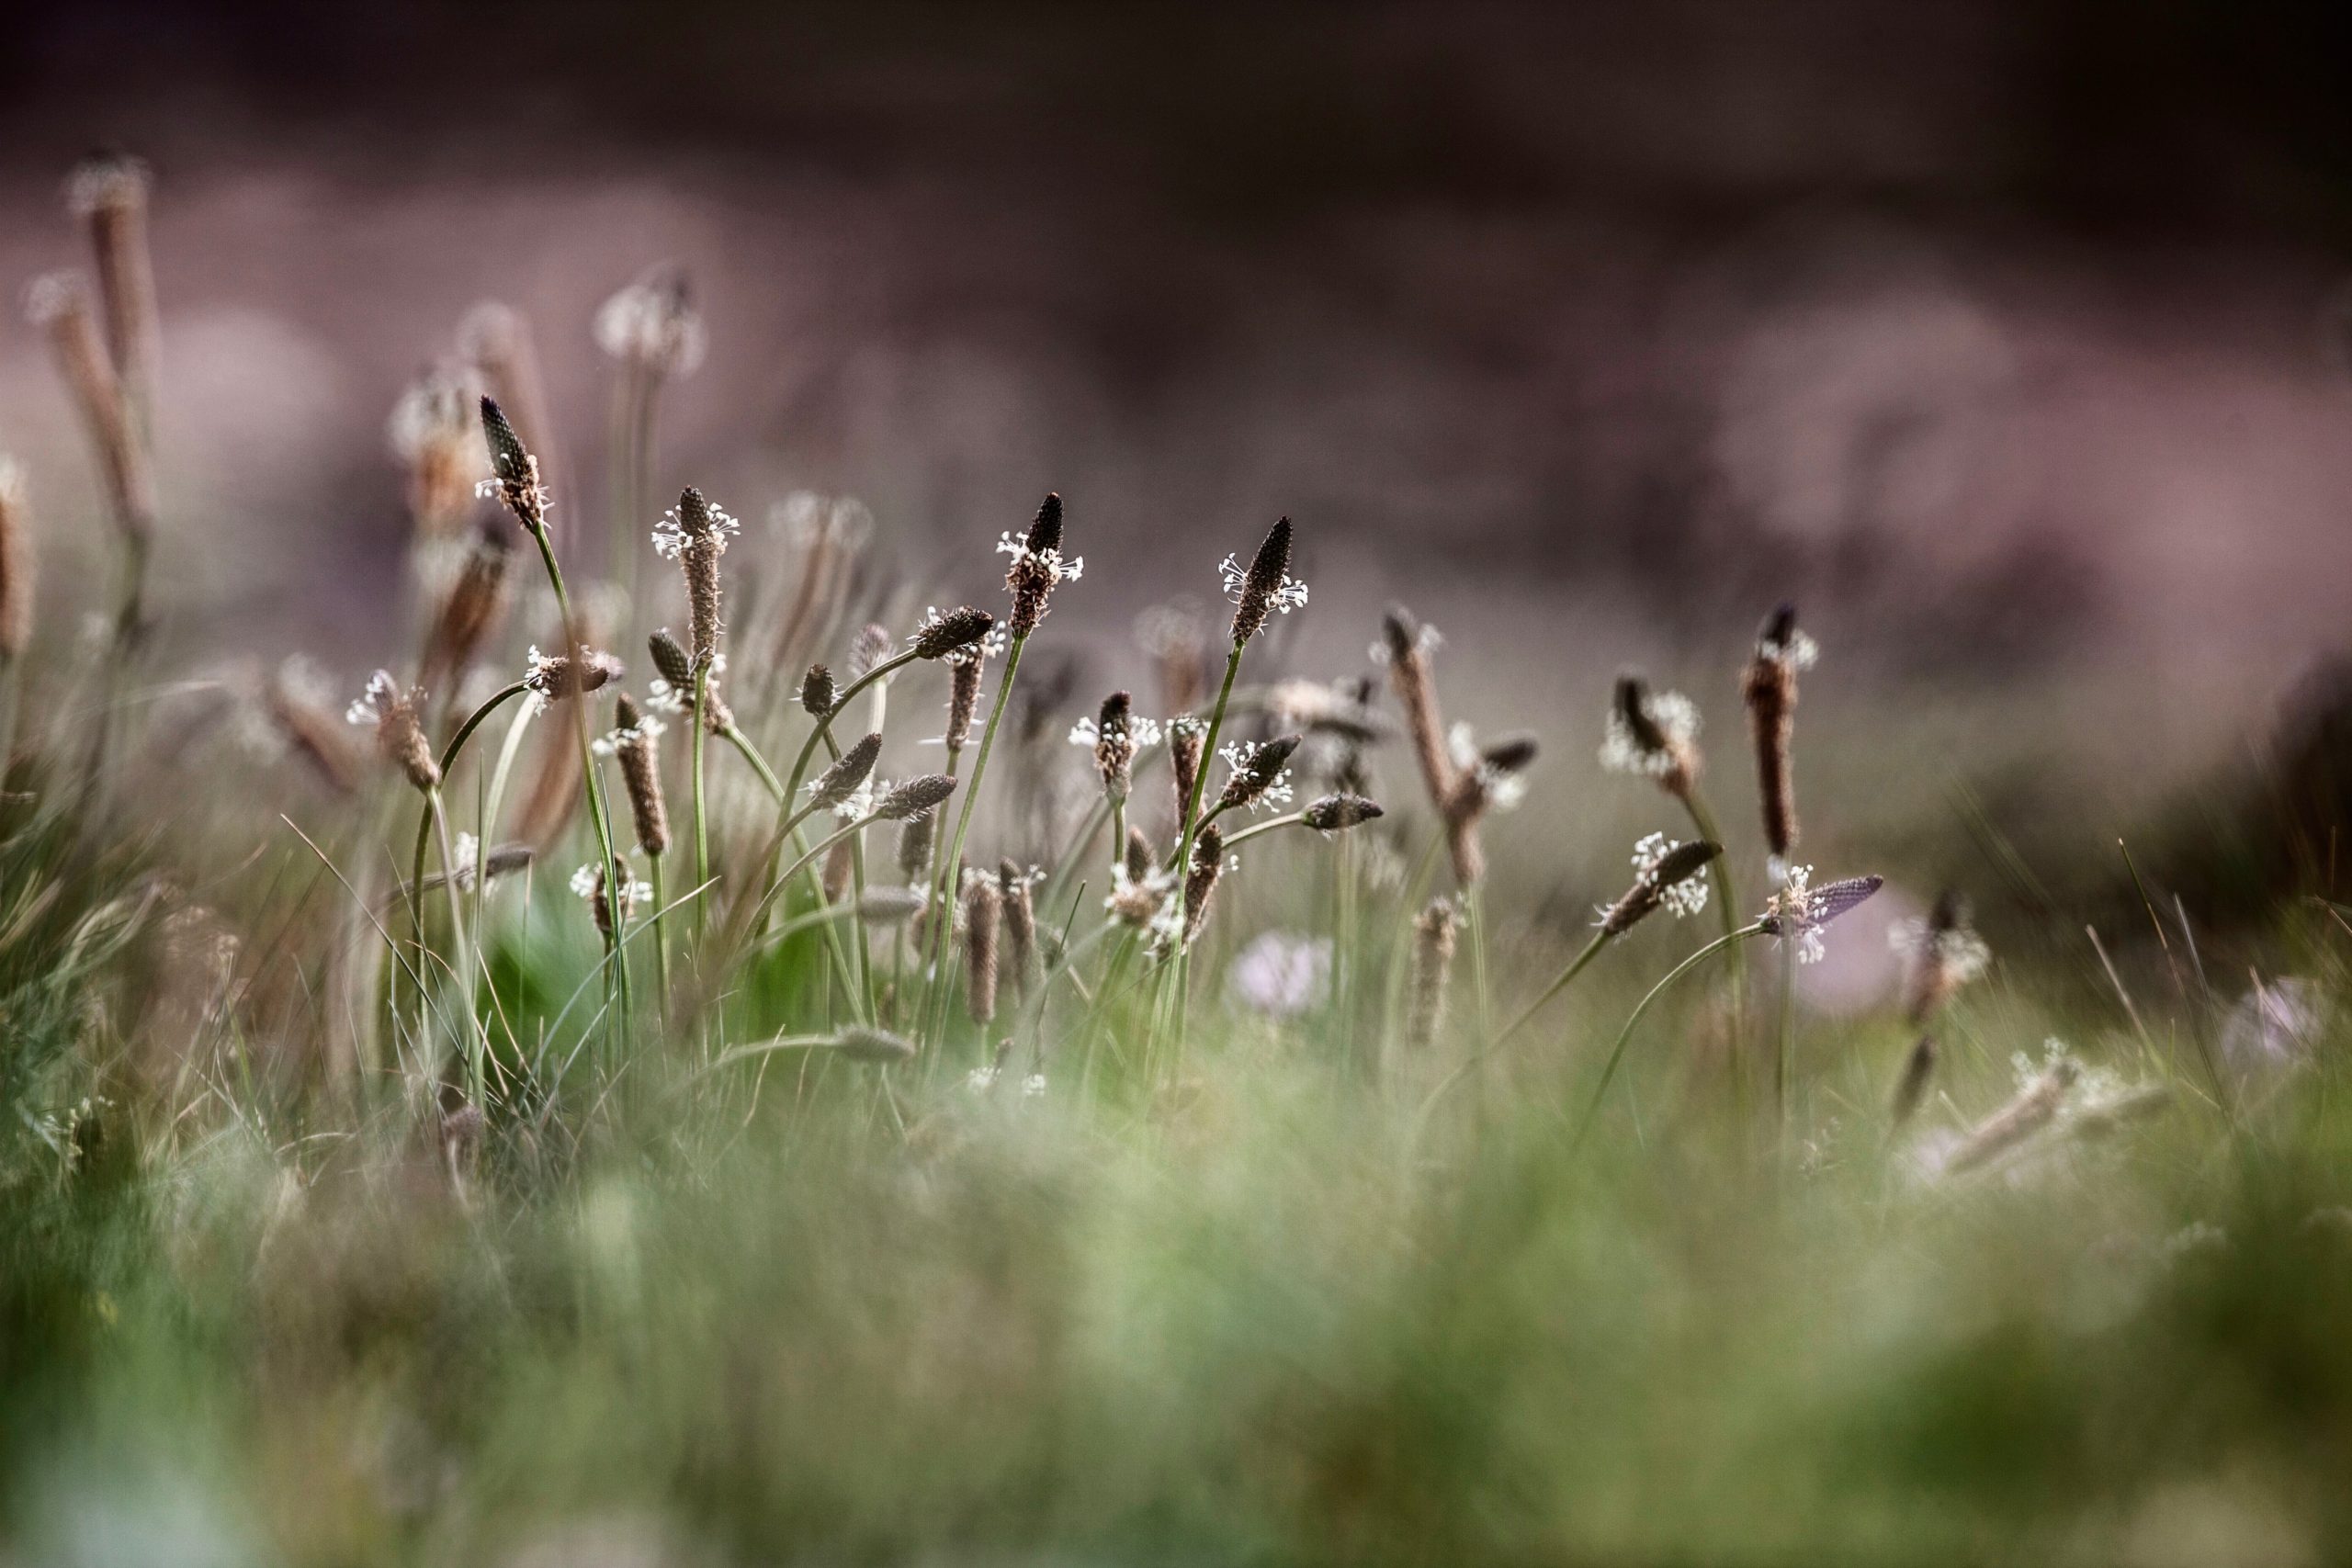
(1038,567)
(515,482)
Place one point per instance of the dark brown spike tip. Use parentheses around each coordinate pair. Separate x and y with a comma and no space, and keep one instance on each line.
(508,458)
(1269,569)
(669,659)
(1400,631)
(957,629)
(1045,530)
(1334,812)
(1512,754)
(1780,626)
(817,692)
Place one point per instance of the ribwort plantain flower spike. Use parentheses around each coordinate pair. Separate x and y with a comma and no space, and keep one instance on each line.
(1039,566)
(1266,587)
(1667,874)
(1335,813)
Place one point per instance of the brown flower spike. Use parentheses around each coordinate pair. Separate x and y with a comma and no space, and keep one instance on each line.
(640,758)
(400,734)
(982,902)
(1769,688)
(1039,566)
(1433,941)
(1266,586)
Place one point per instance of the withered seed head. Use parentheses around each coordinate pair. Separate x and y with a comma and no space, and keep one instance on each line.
(868,648)
(1334,812)
(1138,854)
(914,842)
(1019,926)
(1268,570)
(1769,689)
(108,191)
(982,902)
(962,702)
(957,629)
(469,612)
(16,563)
(1408,672)
(400,733)
(838,783)
(1639,743)
(1434,944)
(817,692)
(917,798)
(59,303)
(640,761)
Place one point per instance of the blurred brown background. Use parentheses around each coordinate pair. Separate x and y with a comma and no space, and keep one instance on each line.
(2005,334)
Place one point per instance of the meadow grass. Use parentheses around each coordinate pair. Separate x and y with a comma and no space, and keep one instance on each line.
(1263,1166)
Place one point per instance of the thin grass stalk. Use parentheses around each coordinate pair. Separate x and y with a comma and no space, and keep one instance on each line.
(1617,1051)
(1726,907)
(936,1011)
(1786,1050)
(702,806)
(1178,972)
(599,811)
(431,809)
(475,1043)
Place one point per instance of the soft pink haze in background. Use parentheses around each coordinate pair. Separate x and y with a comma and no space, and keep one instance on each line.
(1590,336)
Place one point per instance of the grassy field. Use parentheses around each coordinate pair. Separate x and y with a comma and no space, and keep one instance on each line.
(1000,1155)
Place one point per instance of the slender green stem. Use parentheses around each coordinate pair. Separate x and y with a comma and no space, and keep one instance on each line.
(1179,971)
(1617,1052)
(1471,1063)
(1784,1056)
(1191,825)
(425,815)
(1560,983)
(702,816)
(660,938)
(1727,908)
(841,705)
(592,777)
(474,1044)
(1287,820)
(805,861)
(936,1011)
(735,737)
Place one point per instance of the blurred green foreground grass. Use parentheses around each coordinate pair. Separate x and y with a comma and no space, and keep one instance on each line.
(1268,1316)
